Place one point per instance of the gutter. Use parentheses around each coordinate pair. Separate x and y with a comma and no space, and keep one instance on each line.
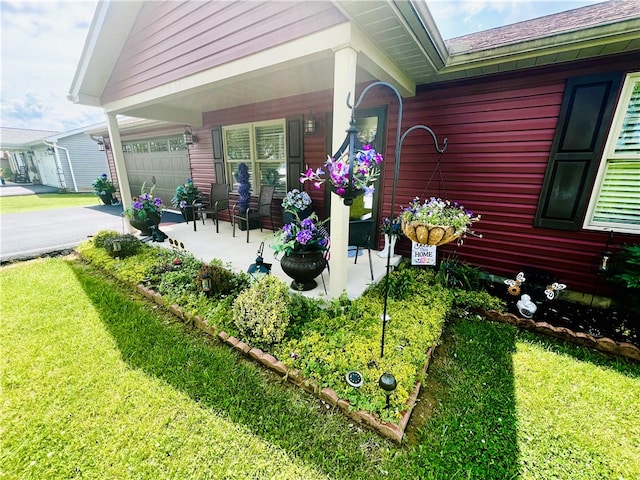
(73,176)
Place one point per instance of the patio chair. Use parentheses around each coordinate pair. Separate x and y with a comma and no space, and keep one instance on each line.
(218,200)
(263,210)
(360,237)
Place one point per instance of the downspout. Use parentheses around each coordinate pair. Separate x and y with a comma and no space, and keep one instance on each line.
(73,176)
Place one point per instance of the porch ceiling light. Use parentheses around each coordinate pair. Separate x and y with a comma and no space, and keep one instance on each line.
(188,136)
(310,124)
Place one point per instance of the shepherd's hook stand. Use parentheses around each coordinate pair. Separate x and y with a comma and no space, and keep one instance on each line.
(399,140)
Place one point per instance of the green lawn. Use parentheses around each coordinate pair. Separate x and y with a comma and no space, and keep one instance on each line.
(47,201)
(97,383)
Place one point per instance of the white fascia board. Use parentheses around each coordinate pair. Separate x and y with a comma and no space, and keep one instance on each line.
(316,43)
(111,24)
(168,114)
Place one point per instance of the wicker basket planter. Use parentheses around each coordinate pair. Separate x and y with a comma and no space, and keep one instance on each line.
(429,234)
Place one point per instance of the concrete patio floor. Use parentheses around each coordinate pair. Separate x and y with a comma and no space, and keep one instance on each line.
(206,245)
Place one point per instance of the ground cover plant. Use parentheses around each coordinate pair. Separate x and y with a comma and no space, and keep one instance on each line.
(98,383)
(46,201)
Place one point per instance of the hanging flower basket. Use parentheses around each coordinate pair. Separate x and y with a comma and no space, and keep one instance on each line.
(436,221)
(430,234)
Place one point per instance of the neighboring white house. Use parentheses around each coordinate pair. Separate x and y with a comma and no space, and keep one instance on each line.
(69,160)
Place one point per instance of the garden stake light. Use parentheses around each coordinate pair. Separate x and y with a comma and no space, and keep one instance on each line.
(387,383)
(205,281)
(259,269)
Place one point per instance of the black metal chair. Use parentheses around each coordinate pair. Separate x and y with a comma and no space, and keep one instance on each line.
(360,237)
(263,210)
(218,200)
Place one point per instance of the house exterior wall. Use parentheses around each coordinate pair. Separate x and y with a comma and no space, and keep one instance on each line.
(499,130)
(172,40)
(87,161)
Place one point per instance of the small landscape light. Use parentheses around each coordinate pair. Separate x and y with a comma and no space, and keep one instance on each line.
(116,245)
(387,383)
(205,281)
(354,379)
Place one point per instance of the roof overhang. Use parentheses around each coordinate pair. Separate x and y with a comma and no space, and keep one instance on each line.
(397,41)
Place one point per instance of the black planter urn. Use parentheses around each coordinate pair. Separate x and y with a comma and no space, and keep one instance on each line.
(144,225)
(188,213)
(107,198)
(253,223)
(303,268)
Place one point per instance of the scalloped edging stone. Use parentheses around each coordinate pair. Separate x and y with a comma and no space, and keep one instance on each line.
(391,431)
(603,344)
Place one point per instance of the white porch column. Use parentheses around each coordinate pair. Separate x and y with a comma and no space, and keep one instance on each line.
(118,158)
(344,82)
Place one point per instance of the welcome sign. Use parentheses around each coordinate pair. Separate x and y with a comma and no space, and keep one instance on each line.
(423,254)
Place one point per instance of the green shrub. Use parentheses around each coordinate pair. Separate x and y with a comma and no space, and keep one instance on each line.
(222,281)
(301,311)
(122,246)
(626,272)
(100,237)
(466,300)
(455,274)
(261,312)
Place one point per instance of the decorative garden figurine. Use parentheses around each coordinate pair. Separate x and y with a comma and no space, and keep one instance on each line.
(526,307)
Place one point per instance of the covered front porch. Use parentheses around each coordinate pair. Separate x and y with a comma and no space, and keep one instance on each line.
(206,244)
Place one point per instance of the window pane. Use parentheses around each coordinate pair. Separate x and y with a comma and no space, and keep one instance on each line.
(619,200)
(238,143)
(274,173)
(159,145)
(140,147)
(629,138)
(233,168)
(177,144)
(270,142)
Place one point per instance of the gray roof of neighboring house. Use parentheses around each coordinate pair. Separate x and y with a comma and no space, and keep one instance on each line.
(16,137)
(596,15)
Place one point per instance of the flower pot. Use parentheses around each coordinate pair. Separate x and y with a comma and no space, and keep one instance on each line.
(303,268)
(253,223)
(288,217)
(188,213)
(144,225)
(389,244)
(430,234)
(107,198)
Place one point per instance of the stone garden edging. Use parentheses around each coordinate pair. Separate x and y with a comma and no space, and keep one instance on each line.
(603,344)
(391,431)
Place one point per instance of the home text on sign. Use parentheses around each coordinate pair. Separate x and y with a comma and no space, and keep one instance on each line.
(423,254)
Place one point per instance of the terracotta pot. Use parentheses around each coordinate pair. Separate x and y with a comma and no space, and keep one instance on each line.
(303,267)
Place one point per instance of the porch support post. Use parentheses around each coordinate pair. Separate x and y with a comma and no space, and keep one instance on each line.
(344,83)
(118,159)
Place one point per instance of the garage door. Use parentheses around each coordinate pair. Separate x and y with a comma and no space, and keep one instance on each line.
(163,162)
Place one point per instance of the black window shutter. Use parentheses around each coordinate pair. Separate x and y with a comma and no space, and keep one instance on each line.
(218,155)
(585,117)
(295,152)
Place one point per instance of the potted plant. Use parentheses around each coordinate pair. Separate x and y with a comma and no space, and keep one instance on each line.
(244,196)
(184,198)
(303,243)
(145,211)
(296,202)
(392,230)
(436,221)
(104,188)
(345,181)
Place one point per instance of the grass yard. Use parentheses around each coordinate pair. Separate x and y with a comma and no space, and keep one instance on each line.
(47,201)
(97,383)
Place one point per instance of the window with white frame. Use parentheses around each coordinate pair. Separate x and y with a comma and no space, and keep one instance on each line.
(615,201)
(262,146)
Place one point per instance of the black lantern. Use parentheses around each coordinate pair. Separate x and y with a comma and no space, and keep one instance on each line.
(101,145)
(310,124)
(259,269)
(205,281)
(387,383)
(116,246)
(188,136)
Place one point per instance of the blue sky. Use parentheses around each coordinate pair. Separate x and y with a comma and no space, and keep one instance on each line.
(42,42)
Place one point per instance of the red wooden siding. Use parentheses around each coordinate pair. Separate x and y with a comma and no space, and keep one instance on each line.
(499,135)
(166,44)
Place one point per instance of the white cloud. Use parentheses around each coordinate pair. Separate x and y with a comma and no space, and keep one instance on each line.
(41,46)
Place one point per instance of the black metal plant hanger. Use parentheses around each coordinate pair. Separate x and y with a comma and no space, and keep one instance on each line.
(350,193)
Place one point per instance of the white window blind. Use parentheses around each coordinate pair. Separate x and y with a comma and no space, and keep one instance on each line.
(615,204)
